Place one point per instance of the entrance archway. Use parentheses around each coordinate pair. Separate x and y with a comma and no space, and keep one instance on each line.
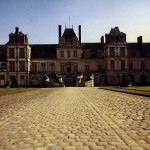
(102,80)
(132,78)
(2,80)
(69,81)
(143,79)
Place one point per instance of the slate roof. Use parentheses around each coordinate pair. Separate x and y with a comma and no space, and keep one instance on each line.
(134,50)
(92,49)
(69,33)
(43,51)
(2,53)
(91,46)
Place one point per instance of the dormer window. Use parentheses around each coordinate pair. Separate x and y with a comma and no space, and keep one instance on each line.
(86,54)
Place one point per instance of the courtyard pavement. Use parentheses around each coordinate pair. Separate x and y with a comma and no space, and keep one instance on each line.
(74,119)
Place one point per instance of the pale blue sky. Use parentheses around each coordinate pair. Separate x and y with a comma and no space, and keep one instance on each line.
(40,18)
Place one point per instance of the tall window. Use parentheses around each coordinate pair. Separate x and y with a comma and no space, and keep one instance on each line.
(99,67)
(130,65)
(68,54)
(11,53)
(122,51)
(22,53)
(52,67)
(75,53)
(142,65)
(122,64)
(11,66)
(61,53)
(22,77)
(22,66)
(112,65)
(87,67)
(112,51)
(75,67)
(34,67)
(62,67)
(43,66)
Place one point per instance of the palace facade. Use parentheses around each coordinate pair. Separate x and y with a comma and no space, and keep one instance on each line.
(107,61)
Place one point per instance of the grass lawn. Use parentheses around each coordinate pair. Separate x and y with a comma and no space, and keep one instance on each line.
(8,91)
(137,90)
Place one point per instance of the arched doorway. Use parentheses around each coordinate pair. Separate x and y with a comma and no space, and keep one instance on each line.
(2,80)
(132,79)
(143,79)
(69,81)
(102,80)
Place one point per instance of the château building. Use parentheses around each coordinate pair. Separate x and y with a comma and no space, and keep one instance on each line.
(107,61)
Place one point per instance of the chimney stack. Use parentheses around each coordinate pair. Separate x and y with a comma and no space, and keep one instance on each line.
(17,30)
(80,35)
(139,41)
(102,40)
(59,31)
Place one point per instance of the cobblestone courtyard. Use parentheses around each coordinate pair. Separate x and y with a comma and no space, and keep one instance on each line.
(74,119)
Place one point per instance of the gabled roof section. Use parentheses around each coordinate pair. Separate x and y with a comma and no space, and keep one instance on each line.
(69,33)
(43,51)
(115,31)
(2,53)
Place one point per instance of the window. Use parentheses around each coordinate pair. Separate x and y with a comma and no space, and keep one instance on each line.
(112,51)
(122,64)
(68,68)
(52,67)
(11,66)
(34,67)
(142,65)
(112,64)
(130,65)
(21,39)
(122,51)
(61,53)
(87,67)
(75,53)
(22,77)
(22,80)
(22,53)
(86,54)
(11,53)
(68,53)
(11,39)
(75,67)
(22,66)
(43,67)
(62,67)
(99,67)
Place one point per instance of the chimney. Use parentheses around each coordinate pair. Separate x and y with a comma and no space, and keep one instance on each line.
(102,40)
(139,41)
(80,35)
(59,31)
(17,30)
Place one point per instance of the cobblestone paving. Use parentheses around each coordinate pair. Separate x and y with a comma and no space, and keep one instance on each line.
(74,119)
